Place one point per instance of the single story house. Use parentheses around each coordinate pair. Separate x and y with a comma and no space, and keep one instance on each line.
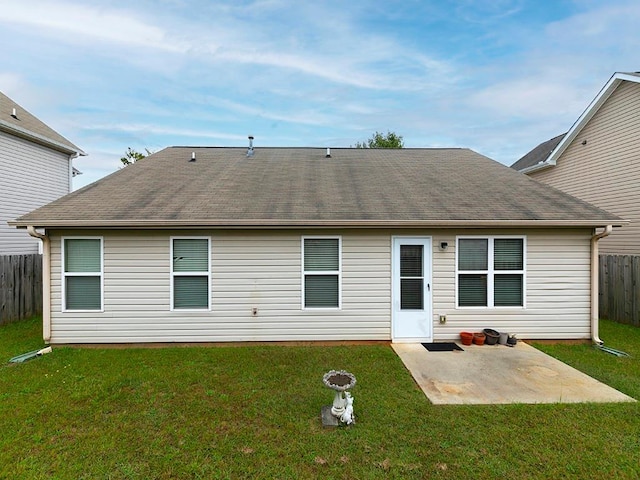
(200,244)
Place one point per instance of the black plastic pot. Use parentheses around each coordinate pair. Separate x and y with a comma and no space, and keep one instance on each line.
(492,336)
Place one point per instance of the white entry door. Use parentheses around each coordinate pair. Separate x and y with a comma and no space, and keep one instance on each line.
(412,320)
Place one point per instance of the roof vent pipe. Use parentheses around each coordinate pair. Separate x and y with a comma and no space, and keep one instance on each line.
(193,157)
(250,151)
(328,155)
(13,113)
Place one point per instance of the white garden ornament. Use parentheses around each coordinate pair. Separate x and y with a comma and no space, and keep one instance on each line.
(341,381)
(347,416)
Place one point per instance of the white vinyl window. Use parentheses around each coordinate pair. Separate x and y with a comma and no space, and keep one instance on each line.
(82,273)
(490,271)
(190,273)
(321,272)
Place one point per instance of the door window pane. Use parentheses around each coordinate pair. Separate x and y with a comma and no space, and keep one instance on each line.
(412,293)
(411,277)
(411,260)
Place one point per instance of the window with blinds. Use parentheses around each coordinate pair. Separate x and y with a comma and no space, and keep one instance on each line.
(411,277)
(490,272)
(321,259)
(190,273)
(82,273)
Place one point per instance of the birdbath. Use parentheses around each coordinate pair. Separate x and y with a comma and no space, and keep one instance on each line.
(339,381)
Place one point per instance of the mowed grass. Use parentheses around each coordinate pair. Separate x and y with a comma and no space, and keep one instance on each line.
(254,412)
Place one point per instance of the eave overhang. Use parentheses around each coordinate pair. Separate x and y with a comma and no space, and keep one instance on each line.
(39,139)
(286,224)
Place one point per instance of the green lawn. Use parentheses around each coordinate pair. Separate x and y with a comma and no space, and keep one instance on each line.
(253,412)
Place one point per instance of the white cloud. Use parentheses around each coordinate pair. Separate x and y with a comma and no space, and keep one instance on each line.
(344,54)
(487,12)
(10,82)
(116,26)
(150,129)
(526,98)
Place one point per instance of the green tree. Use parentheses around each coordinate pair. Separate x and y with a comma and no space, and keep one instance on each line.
(380,140)
(131,156)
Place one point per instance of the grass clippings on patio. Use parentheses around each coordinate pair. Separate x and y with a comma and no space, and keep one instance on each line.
(254,412)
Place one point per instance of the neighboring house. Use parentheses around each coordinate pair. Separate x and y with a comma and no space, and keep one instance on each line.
(275,244)
(35,169)
(598,159)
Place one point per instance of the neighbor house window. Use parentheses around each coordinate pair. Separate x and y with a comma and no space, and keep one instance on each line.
(82,273)
(491,271)
(190,273)
(321,258)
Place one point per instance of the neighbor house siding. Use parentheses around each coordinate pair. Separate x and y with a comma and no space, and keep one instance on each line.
(605,171)
(30,176)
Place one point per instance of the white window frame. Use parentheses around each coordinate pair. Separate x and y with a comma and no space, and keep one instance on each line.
(491,272)
(65,274)
(322,272)
(190,274)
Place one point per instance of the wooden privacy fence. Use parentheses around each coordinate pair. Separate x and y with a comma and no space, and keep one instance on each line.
(20,287)
(619,285)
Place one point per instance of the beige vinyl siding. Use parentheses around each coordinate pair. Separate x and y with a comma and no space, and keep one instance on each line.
(557,289)
(606,170)
(262,269)
(30,176)
(249,270)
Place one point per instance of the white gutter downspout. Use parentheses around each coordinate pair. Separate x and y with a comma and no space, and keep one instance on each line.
(595,314)
(46,281)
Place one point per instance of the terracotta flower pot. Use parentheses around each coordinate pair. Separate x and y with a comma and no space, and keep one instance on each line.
(466,338)
(478,338)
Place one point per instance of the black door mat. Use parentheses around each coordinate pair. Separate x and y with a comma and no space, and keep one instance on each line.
(442,347)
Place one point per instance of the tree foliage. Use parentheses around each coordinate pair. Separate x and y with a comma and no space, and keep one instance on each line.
(381,140)
(131,156)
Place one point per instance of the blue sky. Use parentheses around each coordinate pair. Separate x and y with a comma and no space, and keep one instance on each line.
(496,76)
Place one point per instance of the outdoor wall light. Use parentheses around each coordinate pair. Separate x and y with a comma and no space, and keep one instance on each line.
(443,245)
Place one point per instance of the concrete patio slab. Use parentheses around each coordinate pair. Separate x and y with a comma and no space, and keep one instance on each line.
(493,374)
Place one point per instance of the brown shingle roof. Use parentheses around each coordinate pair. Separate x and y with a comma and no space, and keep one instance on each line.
(26,125)
(299,186)
(538,154)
